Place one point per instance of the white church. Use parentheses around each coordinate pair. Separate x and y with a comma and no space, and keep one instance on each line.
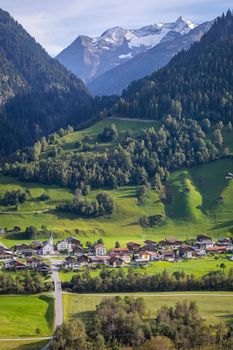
(48,247)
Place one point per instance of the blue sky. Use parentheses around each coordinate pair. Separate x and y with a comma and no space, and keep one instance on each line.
(56,23)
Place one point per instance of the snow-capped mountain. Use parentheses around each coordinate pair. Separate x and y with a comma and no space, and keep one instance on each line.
(116,79)
(89,57)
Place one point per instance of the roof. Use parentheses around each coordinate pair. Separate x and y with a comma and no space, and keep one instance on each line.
(134,243)
(99,246)
(120,249)
(213,249)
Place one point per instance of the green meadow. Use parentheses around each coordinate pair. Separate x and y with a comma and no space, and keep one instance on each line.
(20,316)
(214,307)
(191,207)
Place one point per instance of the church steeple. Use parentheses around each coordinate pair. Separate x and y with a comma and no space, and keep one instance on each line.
(51,238)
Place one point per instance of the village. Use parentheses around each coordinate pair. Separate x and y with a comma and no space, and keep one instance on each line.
(73,255)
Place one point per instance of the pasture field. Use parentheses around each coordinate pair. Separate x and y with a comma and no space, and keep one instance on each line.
(22,345)
(214,307)
(68,142)
(188,214)
(197,267)
(20,316)
(191,207)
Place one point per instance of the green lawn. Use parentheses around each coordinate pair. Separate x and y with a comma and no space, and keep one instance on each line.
(214,307)
(22,345)
(20,316)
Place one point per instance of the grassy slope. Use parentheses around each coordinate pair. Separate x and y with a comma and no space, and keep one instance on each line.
(215,307)
(21,315)
(188,213)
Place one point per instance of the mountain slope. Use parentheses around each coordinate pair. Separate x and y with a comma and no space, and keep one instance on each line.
(196,83)
(118,78)
(89,57)
(37,94)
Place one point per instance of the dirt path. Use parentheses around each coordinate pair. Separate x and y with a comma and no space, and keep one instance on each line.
(134,119)
(24,212)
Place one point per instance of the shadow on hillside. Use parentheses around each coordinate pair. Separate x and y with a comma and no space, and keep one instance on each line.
(49,315)
(227,318)
(223,225)
(32,345)
(85,316)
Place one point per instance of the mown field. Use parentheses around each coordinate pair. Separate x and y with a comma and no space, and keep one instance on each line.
(20,316)
(22,345)
(214,307)
(188,213)
(197,267)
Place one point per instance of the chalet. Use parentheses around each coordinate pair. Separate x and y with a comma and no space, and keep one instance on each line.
(43,268)
(36,245)
(216,250)
(119,251)
(139,262)
(167,254)
(77,250)
(100,250)
(18,248)
(205,240)
(224,242)
(48,247)
(32,263)
(64,246)
(145,256)
(15,265)
(133,247)
(126,257)
(98,260)
(5,253)
(173,243)
(71,263)
(27,253)
(83,260)
(116,262)
(150,245)
(186,252)
(74,241)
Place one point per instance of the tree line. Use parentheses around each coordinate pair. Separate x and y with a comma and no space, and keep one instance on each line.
(24,283)
(131,281)
(137,160)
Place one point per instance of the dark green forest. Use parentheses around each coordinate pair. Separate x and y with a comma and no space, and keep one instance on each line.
(197,83)
(38,95)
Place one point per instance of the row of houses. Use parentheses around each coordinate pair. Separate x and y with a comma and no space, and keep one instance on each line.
(33,263)
(140,255)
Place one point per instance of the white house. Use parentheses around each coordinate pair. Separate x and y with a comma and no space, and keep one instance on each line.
(64,246)
(100,250)
(48,247)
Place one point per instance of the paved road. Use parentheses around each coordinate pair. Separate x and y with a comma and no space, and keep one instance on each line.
(57,293)
(171,295)
(58,305)
(24,339)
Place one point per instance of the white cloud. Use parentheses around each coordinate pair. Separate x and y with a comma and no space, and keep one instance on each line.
(56,23)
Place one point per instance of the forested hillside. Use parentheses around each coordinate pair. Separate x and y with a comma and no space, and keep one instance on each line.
(196,83)
(37,94)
